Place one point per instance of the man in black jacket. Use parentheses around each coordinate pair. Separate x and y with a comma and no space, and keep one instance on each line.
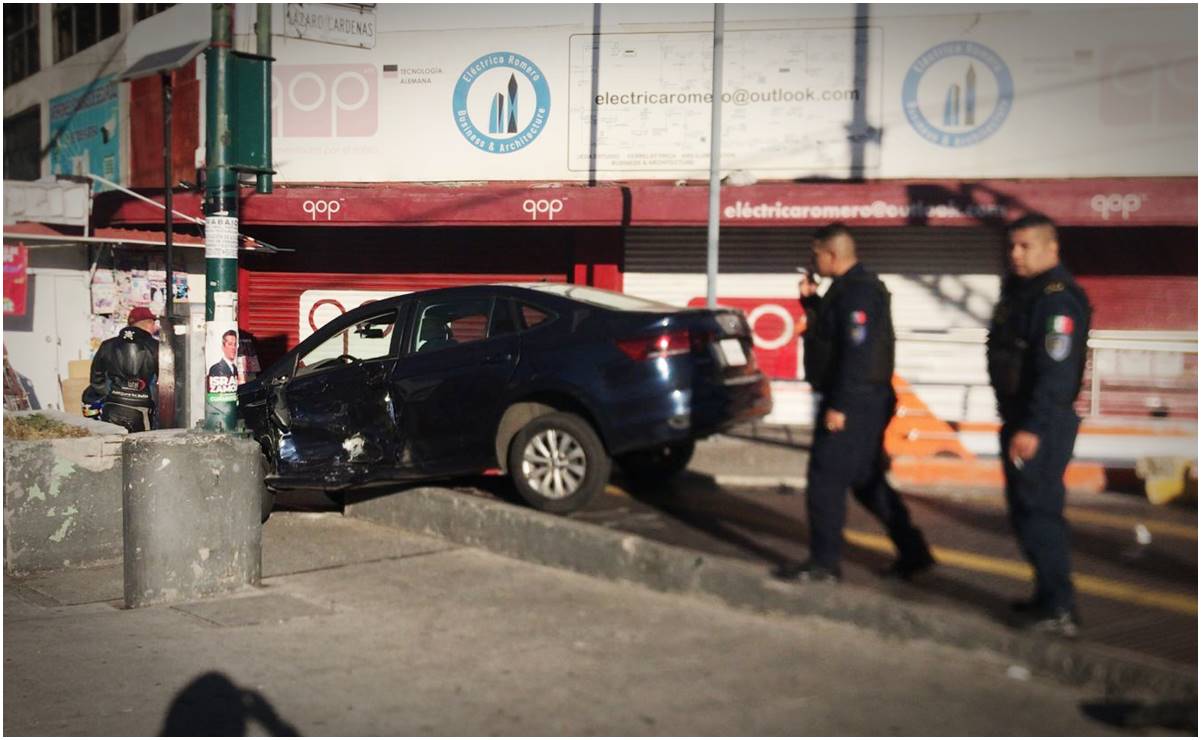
(849,347)
(124,374)
(1036,353)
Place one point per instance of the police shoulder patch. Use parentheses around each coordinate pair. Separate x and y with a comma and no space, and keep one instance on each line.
(1059,346)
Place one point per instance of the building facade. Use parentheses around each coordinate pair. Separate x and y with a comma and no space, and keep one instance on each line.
(420,145)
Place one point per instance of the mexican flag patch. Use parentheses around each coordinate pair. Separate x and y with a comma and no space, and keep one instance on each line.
(1061,325)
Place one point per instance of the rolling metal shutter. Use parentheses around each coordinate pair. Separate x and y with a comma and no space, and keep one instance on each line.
(940,278)
(885,250)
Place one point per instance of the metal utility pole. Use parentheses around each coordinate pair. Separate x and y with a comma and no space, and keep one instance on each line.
(262,30)
(220,225)
(168,172)
(719,12)
(168,380)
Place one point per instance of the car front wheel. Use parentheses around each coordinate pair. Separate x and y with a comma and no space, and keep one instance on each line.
(557,463)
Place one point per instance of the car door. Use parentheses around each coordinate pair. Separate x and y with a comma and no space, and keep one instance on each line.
(334,418)
(452,381)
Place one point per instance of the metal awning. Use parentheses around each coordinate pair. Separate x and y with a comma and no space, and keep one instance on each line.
(32,234)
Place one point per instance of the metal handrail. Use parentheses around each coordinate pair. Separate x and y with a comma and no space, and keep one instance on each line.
(1180,342)
(1149,341)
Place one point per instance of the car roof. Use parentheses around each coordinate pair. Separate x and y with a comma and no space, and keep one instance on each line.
(556,292)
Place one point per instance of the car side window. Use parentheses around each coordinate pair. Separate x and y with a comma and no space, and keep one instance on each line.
(449,323)
(369,339)
(532,316)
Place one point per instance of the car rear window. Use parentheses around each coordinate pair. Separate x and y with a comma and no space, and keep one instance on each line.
(531,316)
(603,298)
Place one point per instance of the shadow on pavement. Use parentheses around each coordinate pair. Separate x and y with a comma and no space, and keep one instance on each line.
(776,437)
(1180,716)
(715,511)
(1101,547)
(213,706)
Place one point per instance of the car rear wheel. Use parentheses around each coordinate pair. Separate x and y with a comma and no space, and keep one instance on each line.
(557,463)
(658,463)
(266,504)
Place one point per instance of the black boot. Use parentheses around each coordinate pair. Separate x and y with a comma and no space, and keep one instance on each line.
(914,559)
(1060,622)
(807,572)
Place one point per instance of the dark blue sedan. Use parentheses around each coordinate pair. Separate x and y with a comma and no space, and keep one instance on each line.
(547,382)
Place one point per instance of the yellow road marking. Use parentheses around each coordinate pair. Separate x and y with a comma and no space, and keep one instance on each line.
(615,491)
(1101,519)
(1092,585)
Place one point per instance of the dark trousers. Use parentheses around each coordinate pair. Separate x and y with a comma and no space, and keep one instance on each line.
(1035,495)
(133,418)
(854,458)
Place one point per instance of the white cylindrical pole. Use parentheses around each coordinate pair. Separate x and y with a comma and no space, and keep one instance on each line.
(719,11)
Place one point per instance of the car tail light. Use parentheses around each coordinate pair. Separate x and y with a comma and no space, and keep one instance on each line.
(654,347)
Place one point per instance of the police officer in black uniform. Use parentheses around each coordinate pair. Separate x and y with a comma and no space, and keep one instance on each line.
(1036,353)
(124,373)
(849,347)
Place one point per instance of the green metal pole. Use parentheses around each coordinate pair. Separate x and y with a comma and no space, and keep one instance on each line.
(262,31)
(220,230)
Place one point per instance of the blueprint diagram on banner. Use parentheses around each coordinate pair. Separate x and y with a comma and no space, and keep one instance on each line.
(789,101)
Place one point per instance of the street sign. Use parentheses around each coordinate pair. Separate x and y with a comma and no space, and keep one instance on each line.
(251,76)
(333,24)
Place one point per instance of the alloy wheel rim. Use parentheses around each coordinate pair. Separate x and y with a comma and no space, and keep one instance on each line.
(554,464)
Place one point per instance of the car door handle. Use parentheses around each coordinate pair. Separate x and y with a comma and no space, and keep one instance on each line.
(498,358)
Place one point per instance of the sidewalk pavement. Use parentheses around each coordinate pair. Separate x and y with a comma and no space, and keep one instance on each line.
(361,629)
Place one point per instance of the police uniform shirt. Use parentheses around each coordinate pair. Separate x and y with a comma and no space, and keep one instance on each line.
(1056,315)
(853,346)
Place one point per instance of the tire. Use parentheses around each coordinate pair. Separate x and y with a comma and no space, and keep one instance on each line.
(566,479)
(267,504)
(657,464)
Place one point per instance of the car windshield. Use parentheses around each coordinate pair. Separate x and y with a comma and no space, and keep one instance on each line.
(602,298)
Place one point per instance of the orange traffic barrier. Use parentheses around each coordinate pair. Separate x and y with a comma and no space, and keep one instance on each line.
(982,473)
(926,451)
(916,432)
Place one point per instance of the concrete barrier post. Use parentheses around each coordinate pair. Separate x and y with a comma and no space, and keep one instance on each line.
(192,515)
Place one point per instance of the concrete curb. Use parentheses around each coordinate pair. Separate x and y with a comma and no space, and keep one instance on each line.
(62,502)
(592,550)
